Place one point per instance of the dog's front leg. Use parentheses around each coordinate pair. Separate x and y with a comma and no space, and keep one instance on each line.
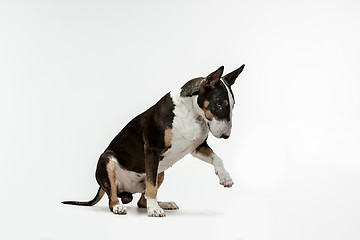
(152,158)
(205,153)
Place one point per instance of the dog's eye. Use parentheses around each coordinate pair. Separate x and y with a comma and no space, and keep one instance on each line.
(219,106)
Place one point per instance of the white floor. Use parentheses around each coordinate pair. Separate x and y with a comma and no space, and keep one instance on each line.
(315,205)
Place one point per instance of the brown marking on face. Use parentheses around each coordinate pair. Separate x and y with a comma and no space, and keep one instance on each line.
(208,114)
(110,168)
(206,103)
(205,150)
(168,137)
(226,102)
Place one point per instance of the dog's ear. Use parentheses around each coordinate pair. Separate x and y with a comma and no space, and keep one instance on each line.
(214,77)
(231,77)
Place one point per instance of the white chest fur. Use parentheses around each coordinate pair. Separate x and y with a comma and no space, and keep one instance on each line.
(189,130)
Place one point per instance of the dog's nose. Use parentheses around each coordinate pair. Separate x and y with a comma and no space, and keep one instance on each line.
(224,136)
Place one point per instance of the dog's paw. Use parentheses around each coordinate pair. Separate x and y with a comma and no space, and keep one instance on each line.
(156,212)
(119,209)
(225,179)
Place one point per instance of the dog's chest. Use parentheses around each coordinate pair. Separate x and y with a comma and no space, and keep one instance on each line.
(188,132)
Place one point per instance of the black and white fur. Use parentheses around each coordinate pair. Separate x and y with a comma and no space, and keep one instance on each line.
(177,125)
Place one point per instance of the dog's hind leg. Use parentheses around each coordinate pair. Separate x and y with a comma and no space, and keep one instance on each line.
(164,205)
(106,177)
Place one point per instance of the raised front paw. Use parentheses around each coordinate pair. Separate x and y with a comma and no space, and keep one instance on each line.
(225,179)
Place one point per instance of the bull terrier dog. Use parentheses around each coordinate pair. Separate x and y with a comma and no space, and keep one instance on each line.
(178,124)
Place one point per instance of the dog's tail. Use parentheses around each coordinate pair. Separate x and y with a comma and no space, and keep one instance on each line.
(96,199)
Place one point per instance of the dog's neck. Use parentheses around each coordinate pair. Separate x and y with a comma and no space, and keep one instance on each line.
(189,95)
(196,107)
(189,103)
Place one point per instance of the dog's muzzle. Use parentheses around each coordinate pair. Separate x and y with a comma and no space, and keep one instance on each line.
(220,129)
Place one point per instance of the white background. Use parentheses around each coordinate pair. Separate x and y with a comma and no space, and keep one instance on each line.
(73,73)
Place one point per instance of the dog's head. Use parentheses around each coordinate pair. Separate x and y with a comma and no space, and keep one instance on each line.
(217,101)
